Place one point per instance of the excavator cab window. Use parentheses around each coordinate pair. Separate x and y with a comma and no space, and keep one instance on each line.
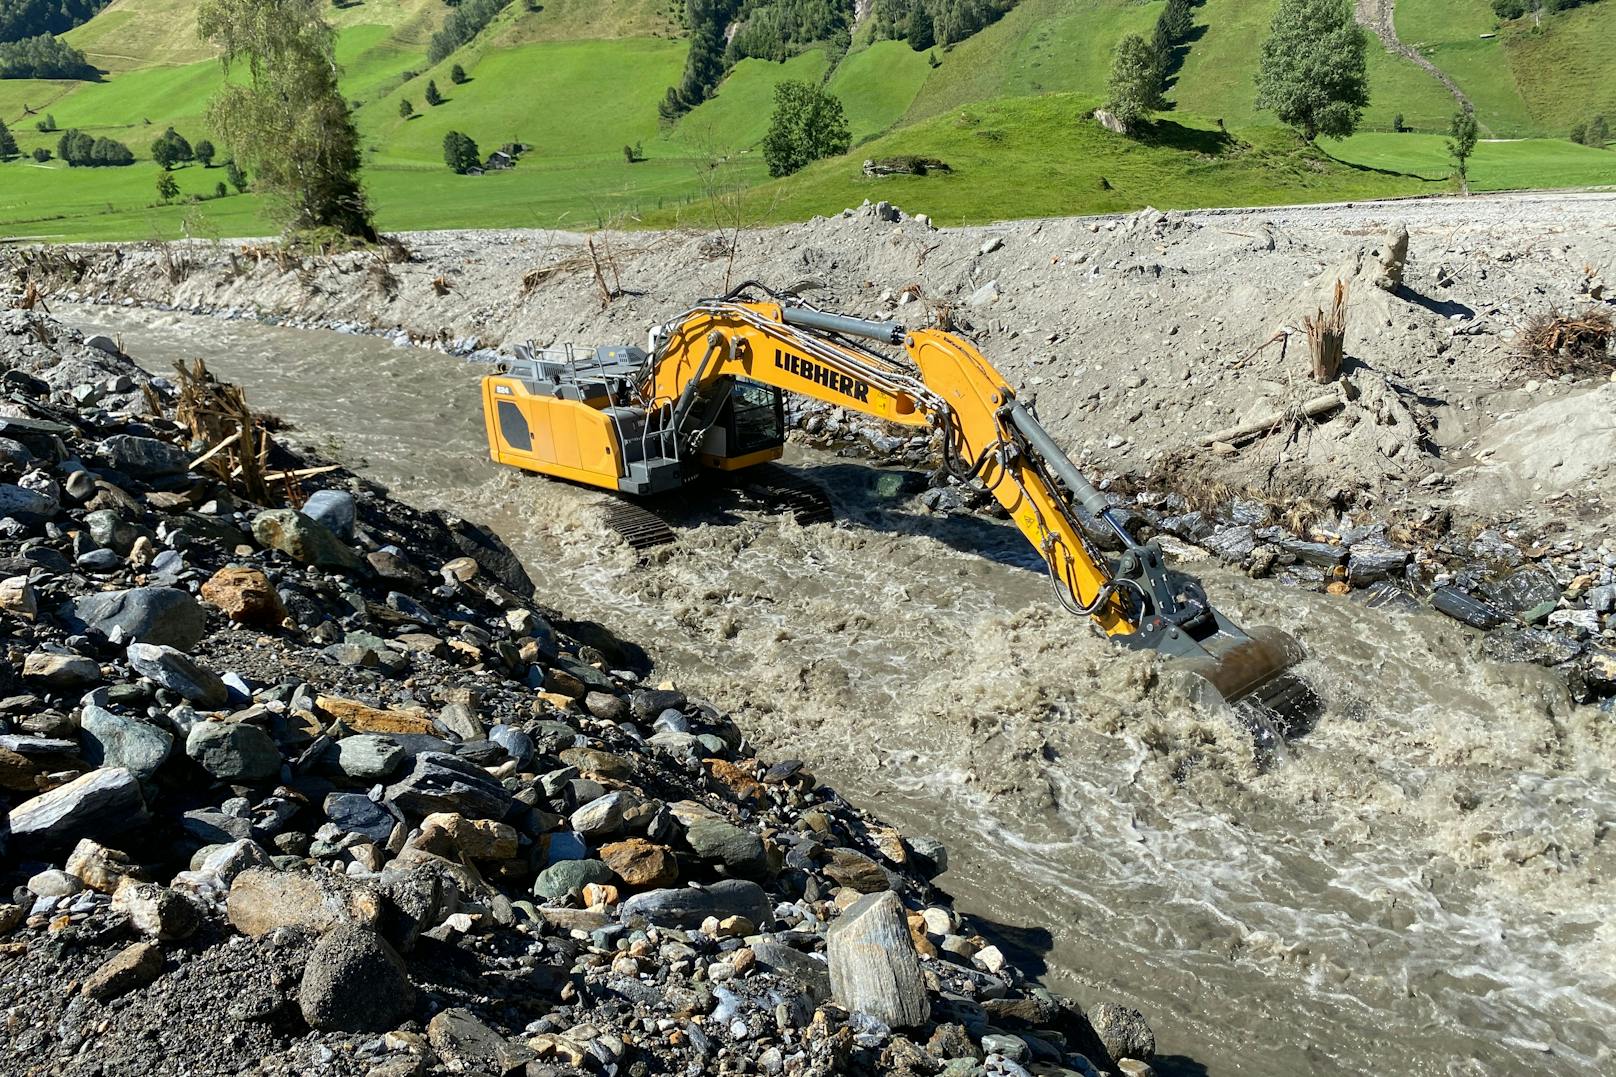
(756,418)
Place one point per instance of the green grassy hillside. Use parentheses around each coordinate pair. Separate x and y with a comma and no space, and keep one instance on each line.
(579,79)
(1497,166)
(1525,78)
(1058,161)
(1576,50)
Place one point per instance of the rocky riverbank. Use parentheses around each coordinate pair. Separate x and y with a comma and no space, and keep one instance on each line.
(334,788)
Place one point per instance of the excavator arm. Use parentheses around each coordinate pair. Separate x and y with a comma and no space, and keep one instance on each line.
(951,388)
(987,435)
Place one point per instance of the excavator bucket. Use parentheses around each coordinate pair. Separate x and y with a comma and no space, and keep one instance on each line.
(1254,672)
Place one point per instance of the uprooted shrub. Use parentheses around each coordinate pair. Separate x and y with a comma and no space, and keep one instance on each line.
(905,165)
(1554,343)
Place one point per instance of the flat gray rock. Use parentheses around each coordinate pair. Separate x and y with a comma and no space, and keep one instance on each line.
(688,906)
(178,672)
(93,805)
(164,616)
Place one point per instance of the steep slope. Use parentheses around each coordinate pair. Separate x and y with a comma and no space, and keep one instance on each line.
(1565,71)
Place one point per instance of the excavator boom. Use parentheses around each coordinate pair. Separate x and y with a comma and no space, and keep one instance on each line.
(648,421)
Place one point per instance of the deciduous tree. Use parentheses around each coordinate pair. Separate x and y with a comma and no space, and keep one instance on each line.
(807,124)
(287,118)
(1462,143)
(1312,73)
(171,148)
(1134,90)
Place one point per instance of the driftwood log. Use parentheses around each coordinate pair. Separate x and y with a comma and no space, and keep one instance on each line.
(1311,409)
(216,415)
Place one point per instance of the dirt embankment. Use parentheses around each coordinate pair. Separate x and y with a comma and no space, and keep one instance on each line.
(1140,336)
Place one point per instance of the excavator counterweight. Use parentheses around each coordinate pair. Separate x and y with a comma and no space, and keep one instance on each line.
(706,394)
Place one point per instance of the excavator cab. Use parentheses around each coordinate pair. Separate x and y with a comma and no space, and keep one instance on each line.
(750,428)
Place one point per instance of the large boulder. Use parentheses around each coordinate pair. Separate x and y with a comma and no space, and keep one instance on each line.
(641,863)
(334,510)
(490,553)
(369,757)
(21,501)
(688,906)
(1124,1031)
(113,740)
(355,813)
(234,751)
(849,867)
(315,902)
(93,805)
(604,815)
(782,960)
(303,539)
(873,965)
(164,616)
(740,851)
(354,982)
(60,672)
(245,595)
(567,878)
(440,782)
(156,912)
(144,457)
(178,672)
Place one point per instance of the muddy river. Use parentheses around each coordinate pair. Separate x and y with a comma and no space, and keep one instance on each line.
(1422,885)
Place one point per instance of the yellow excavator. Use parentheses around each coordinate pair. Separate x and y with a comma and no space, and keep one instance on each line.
(708,395)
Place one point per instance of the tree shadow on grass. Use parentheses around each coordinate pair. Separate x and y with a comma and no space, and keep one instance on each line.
(1178,54)
(1175,136)
(1374,171)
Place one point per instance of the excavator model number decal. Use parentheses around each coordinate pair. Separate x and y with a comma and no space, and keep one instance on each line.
(833,380)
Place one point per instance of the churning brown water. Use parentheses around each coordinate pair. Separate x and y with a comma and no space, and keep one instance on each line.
(1422,885)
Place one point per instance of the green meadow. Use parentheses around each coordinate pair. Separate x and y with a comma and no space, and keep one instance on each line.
(577,81)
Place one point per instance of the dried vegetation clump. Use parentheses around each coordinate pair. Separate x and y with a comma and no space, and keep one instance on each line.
(1554,343)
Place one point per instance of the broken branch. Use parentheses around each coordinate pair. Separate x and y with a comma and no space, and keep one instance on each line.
(1310,409)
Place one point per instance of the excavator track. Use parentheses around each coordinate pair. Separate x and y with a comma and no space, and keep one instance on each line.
(785,491)
(638,526)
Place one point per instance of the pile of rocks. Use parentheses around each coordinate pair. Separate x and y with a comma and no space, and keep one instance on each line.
(324,790)
(1542,600)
